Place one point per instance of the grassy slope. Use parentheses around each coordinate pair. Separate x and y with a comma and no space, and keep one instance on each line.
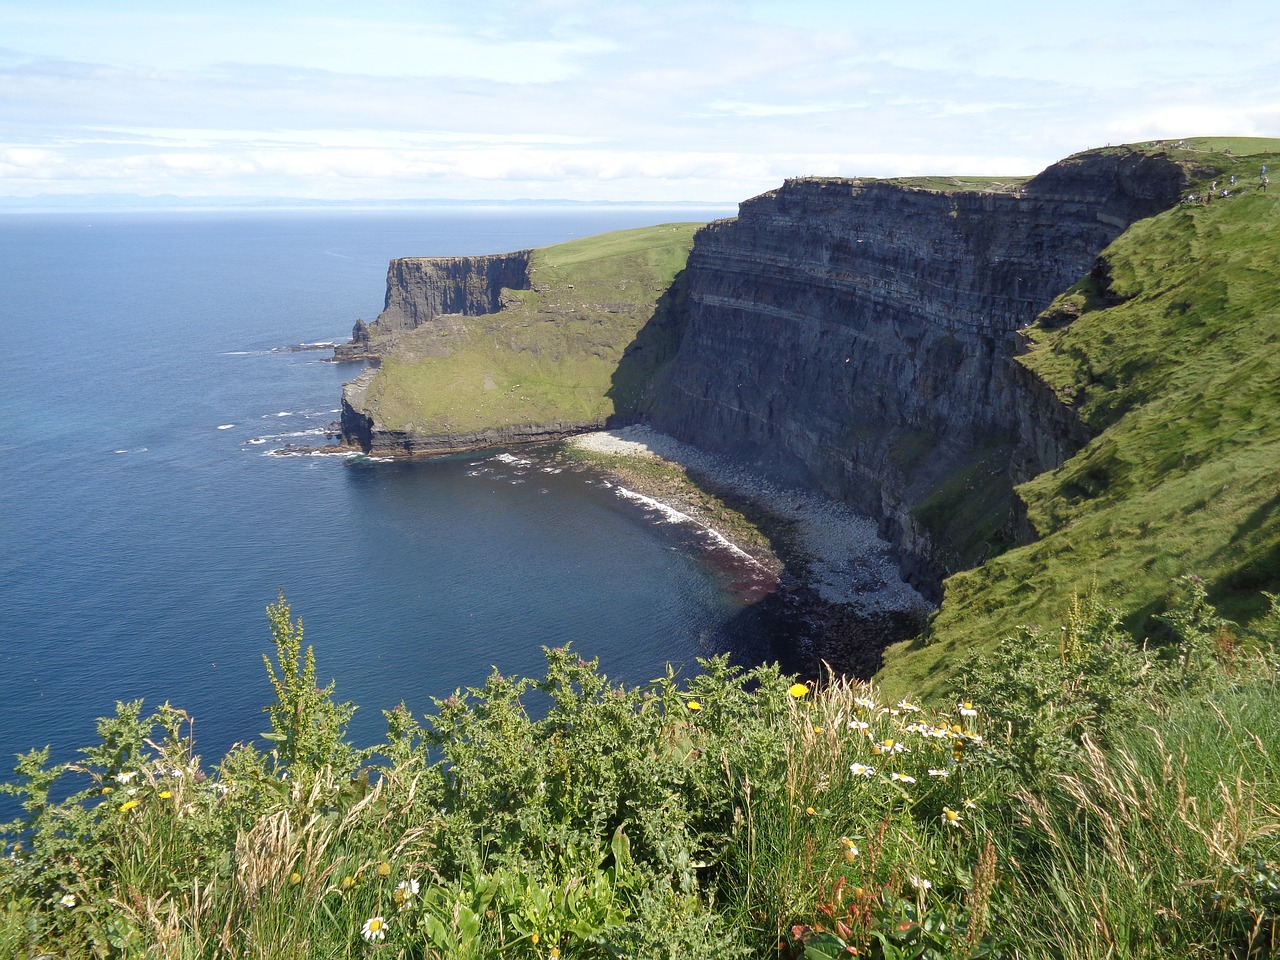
(1174,363)
(551,356)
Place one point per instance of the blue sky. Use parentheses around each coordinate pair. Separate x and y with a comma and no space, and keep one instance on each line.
(598,100)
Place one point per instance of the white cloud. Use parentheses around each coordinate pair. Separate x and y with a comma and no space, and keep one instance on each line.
(704,99)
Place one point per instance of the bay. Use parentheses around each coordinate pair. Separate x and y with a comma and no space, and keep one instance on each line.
(145,525)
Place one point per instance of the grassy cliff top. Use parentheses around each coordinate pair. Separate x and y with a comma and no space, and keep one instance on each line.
(1169,352)
(551,355)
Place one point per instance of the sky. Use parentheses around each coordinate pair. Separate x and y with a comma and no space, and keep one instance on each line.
(661,100)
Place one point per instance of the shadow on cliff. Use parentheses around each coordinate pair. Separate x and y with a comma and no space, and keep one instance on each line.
(632,385)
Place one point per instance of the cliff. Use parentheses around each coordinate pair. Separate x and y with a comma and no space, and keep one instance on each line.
(475,352)
(859,338)
(420,289)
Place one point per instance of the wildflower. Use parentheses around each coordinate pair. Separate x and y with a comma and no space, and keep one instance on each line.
(906,706)
(860,725)
(889,746)
(859,770)
(798,690)
(126,776)
(406,890)
(106,790)
(920,883)
(850,849)
(384,869)
(817,729)
(166,795)
(67,900)
(554,954)
(950,817)
(694,705)
(901,777)
(969,804)
(810,811)
(866,703)
(375,928)
(128,805)
(348,882)
(936,772)
(967,709)
(295,878)
(535,939)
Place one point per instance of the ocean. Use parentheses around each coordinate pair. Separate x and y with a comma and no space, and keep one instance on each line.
(149,517)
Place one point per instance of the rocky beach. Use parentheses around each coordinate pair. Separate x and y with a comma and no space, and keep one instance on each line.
(826,576)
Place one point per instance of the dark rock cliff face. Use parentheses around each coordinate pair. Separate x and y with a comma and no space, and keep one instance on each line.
(419,289)
(859,338)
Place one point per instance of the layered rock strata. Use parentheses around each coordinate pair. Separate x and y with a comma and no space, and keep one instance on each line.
(859,338)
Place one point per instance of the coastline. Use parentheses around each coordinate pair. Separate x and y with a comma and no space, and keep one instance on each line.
(829,579)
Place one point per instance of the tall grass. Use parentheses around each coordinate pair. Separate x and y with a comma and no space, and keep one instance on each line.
(735,814)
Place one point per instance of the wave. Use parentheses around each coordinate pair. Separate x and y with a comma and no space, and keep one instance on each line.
(513,460)
(313,432)
(315,452)
(225,426)
(670,514)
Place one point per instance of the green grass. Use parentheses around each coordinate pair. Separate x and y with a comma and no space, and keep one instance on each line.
(965,184)
(1173,365)
(553,356)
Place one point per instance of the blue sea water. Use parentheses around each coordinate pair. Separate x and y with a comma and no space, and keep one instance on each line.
(146,525)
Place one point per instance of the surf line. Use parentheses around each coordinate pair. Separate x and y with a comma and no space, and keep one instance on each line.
(673,515)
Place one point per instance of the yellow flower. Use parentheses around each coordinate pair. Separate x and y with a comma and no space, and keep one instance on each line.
(348,882)
(106,790)
(554,954)
(295,878)
(166,795)
(810,811)
(384,869)
(817,729)
(535,938)
(694,705)
(798,690)
(128,805)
